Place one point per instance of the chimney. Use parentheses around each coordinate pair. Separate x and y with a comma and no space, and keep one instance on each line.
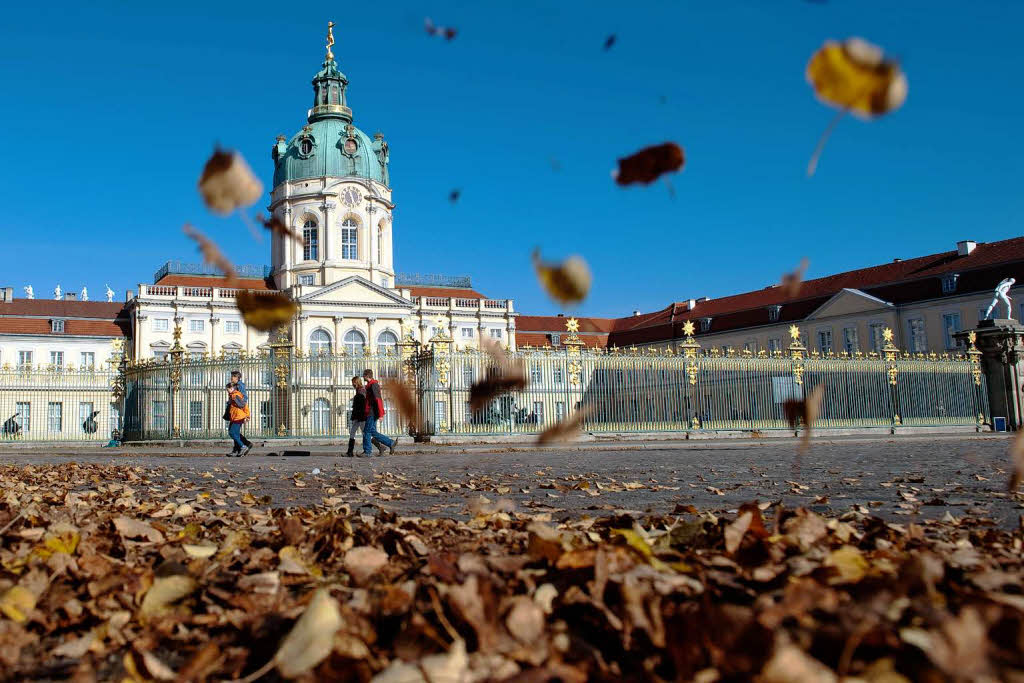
(691,303)
(897,260)
(636,314)
(965,247)
(7,294)
(129,294)
(70,296)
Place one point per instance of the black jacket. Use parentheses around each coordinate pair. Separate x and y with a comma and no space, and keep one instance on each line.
(358,413)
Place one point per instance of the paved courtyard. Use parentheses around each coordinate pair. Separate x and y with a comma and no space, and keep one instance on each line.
(906,478)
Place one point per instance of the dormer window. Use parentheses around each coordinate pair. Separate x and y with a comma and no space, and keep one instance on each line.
(306,147)
(949,282)
(556,339)
(773,313)
(56,326)
(705,324)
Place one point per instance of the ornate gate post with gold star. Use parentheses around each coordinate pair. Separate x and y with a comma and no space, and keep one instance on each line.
(573,365)
(891,354)
(798,355)
(441,410)
(176,358)
(690,349)
(281,355)
(1000,344)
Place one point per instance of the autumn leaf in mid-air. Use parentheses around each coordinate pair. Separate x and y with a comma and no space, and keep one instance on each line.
(567,282)
(793,281)
(805,411)
(855,77)
(227,183)
(211,253)
(279,227)
(650,163)
(265,311)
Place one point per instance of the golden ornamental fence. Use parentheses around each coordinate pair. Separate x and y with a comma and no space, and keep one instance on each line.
(685,388)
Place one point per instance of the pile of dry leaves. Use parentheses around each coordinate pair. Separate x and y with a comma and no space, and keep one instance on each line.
(102,579)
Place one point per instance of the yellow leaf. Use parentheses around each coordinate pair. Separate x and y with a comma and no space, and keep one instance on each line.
(16,603)
(850,564)
(227,183)
(200,551)
(637,543)
(165,591)
(312,638)
(855,76)
(567,282)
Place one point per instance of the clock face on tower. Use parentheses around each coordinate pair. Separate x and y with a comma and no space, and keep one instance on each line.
(350,197)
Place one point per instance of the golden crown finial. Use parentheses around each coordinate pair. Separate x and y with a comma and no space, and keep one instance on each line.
(330,40)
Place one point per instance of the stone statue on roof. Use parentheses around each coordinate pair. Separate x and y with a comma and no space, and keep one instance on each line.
(85,294)
(56,292)
(29,292)
(110,294)
(1002,294)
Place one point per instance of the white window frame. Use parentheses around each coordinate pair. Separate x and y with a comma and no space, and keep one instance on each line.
(350,239)
(559,411)
(538,410)
(949,282)
(851,343)
(88,359)
(161,324)
(23,415)
(912,339)
(825,340)
(875,332)
(495,333)
(320,415)
(57,358)
(467,332)
(387,340)
(84,415)
(310,239)
(307,279)
(56,325)
(774,344)
(195,416)
(159,415)
(197,325)
(232,327)
(54,416)
(352,347)
(24,359)
(947,333)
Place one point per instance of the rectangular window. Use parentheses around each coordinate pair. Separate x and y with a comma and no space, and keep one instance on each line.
(918,339)
(824,341)
(310,242)
(54,416)
(949,283)
(161,324)
(467,332)
(23,415)
(877,338)
(88,359)
(56,326)
(85,418)
(556,339)
(195,415)
(349,243)
(160,355)
(750,345)
(535,374)
(538,412)
(560,411)
(774,345)
(196,325)
(850,342)
(307,279)
(440,415)
(266,415)
(24,359)
(57,358)
(467,376)
(232,326)
(160,414)
(557,375)
(496,333)
(468,417)
(950,325)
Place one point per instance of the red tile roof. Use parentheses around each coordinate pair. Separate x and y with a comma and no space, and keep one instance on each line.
(61,308)
(544,339)
(92,318)
(556,323)
(214,281)
(445,292)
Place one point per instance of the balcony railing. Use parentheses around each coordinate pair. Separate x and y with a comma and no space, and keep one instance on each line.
(182,268)
(180,292)
(452,302)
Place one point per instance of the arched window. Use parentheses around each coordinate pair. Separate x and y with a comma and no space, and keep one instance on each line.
(349,239)
(380,243)
(321,416)
(354,343)
(310,240)
(387,342)
(319,343)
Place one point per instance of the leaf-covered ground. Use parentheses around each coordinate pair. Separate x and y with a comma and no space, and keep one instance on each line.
(109,574)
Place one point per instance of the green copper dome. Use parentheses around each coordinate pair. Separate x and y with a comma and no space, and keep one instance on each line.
(329,145)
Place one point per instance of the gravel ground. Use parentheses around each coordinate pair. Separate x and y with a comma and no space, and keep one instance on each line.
(899,478)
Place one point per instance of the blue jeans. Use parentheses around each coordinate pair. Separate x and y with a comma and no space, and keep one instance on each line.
(235,431)
(370,432)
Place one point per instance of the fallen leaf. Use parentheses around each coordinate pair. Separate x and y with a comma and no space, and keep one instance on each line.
(650,163)
(265,311)
(199,551)
(17,602)
(165,591)
(735,530)
(850,564)
(132,528)
(567,282)
(227,183)
(567,428)
(211,252)
(312,638)
(363,562)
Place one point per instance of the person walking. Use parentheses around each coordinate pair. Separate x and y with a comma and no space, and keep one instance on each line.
(374,411)
(237,412)
(357,418)
(236,378)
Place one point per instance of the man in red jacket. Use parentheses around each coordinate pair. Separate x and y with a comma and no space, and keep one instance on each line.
(374,411)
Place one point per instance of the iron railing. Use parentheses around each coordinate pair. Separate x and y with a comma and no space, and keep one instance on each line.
(183,268)
(58,404)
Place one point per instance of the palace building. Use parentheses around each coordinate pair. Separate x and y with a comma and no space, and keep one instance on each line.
(332,186)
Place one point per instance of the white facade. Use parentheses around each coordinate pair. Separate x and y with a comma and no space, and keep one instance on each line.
(42,351)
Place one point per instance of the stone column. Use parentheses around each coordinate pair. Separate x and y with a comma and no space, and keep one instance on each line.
(1001,343)
(325,238)
(339,343)
(140,320)
(301,341)
(371,345)
(424,334)
(214,323)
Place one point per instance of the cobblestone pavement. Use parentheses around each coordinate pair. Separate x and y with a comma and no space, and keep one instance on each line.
(903,479)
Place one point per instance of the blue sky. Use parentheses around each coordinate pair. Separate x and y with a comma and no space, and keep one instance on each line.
(110,109)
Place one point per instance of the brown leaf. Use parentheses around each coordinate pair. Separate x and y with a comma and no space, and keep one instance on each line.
(363,562)
(312,638)
(650,163)
(567,282)
(265,312)
(132,528)
(278,227)
(792,282)
(735,530)
(211,253)
(567,428)
(404,399)
(506,375)
(805,412)
(227,182)
(1016,461)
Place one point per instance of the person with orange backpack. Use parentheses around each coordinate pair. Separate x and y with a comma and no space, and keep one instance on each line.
(237,413)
